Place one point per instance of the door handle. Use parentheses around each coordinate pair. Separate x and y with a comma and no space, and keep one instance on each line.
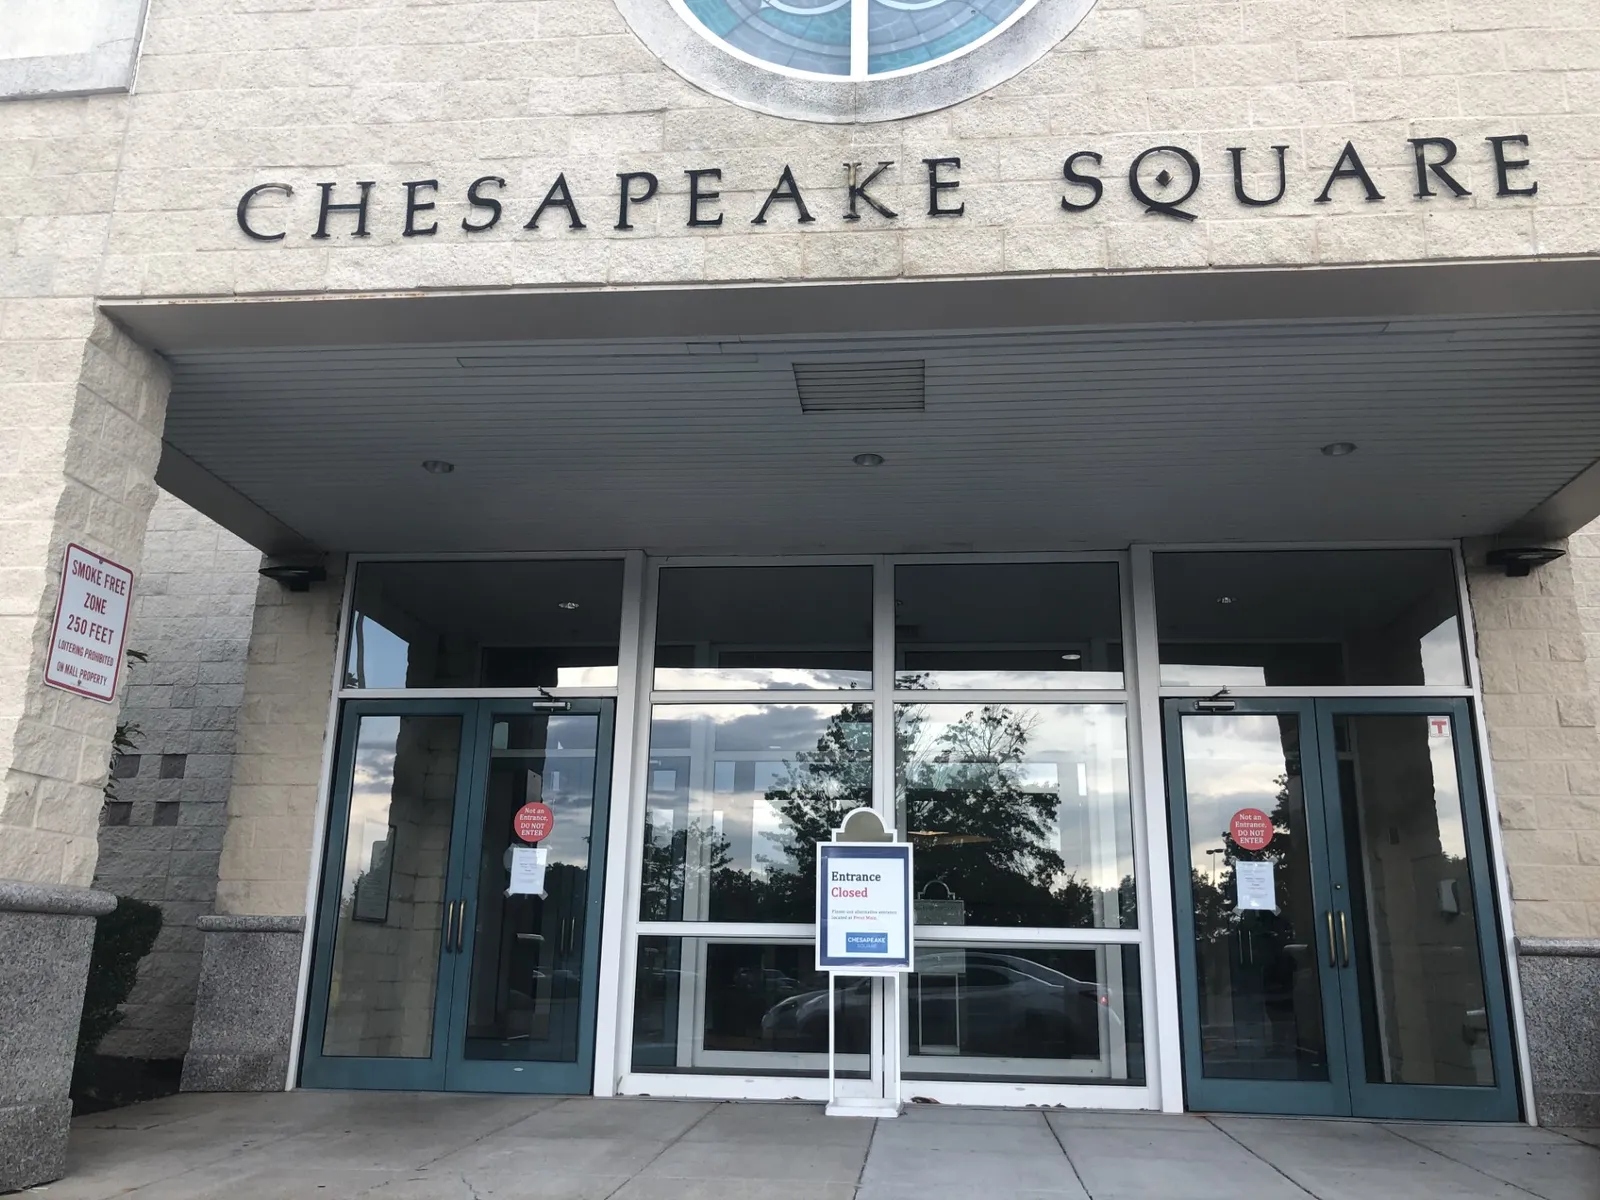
(461,925)
(449,924)
(1344,937)
(1333,953)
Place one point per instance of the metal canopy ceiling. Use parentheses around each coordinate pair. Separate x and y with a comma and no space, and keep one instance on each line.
(1028,440)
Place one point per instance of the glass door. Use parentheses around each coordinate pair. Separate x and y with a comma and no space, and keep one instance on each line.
(527,917)
(458,938)
(1422,990)
(1260,1001)
(378,1014)
(1337,951)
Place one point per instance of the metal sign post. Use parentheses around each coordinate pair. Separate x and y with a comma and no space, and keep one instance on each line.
(864,928)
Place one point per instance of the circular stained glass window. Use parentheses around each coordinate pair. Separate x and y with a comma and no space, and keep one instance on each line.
(850,60)
(851,39)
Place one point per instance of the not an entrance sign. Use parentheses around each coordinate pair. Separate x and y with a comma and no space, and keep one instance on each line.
(863,907)
(91,625)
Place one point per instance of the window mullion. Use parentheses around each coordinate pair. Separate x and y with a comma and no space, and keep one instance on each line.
(883,744)
(858,38)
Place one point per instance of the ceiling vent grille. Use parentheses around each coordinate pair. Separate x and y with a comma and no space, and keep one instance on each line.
(875,386)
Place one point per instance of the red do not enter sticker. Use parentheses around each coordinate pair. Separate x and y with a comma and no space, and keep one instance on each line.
(533,822)
(1251,829)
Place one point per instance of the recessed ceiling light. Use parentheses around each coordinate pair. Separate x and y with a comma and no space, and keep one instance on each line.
(1224,599)
(1072,658)
(868,460)
(1339,449)
(437,466)
(569,605)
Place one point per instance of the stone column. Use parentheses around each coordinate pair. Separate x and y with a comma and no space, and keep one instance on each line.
(1540,708)
(85,407)
(253,943)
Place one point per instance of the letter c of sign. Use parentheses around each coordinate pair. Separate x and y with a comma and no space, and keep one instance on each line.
(244,210)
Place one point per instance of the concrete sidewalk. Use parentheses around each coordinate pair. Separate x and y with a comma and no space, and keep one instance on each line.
(392,1146)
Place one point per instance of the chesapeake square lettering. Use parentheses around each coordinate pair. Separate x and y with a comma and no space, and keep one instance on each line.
(1169,192)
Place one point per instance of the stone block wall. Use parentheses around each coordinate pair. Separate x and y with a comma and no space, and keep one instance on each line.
(82,448)
(230,96)
(1539,702)
(266,850)
(162,834)
(1535,650)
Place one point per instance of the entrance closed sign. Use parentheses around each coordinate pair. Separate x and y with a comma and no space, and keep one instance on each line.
(91,625)
(863,907)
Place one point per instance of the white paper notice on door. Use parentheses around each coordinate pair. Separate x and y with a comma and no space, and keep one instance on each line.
(1256,887)
(527,870)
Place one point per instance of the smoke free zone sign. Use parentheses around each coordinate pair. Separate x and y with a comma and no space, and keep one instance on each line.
(863,907)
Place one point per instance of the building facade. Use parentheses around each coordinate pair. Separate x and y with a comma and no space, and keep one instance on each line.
(1107,439)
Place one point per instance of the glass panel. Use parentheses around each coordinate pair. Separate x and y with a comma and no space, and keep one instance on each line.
(806,35)
(1019,813)
(384,978)
(1317,618)
(904,34)
(1256,959)
(1049,1014)
(738,797)
(1415,921)
(716,1005)
(1020,625)
(764,627)
(528,967)
(485,624)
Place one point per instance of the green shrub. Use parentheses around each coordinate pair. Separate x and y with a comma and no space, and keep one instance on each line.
(121,938)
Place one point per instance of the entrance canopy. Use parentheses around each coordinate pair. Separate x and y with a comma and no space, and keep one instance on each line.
(1009,414)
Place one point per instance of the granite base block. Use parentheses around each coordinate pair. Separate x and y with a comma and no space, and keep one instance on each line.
(1561,1004)
(244,1008)
(46,935)
(33,1143)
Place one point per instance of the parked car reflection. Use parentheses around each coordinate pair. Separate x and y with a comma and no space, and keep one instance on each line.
(962,1002)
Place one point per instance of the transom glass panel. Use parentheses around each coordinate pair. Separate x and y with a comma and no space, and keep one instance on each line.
(485,624)
(1309,618)
(1007,625)
(764,627)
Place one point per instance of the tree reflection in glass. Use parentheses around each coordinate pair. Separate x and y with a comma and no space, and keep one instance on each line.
(739,795)
(1019,813)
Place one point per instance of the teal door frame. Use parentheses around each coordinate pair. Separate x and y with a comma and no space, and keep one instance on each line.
(446,1068)
(1206,1093)
(1347,1092)
(386,1074)
(529,1075)
(1436,1102)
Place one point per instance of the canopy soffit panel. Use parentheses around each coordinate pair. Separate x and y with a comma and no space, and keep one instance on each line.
(1473,394)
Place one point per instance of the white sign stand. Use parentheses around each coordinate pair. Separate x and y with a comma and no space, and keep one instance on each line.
(864,928)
